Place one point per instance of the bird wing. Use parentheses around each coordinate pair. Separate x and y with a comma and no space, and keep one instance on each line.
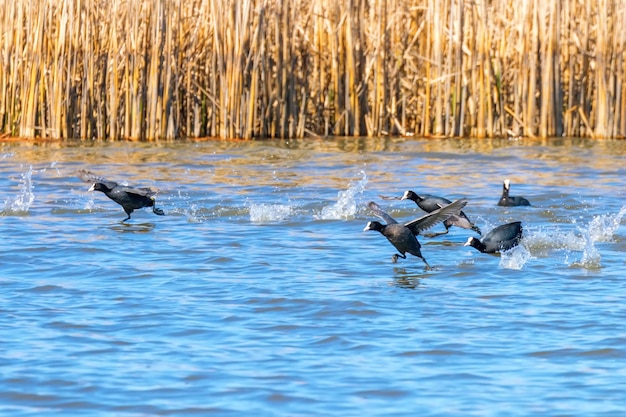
(90,177)
(460,221)
(437,216)
(379,213)
(143,192)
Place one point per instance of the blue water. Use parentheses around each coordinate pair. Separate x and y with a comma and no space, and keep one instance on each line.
(258,293)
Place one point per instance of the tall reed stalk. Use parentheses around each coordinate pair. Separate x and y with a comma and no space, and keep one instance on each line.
(151,69)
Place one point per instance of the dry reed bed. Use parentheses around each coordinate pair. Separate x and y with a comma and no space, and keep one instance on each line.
(151,69)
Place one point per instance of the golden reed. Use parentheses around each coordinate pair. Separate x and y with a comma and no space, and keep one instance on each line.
(148,69)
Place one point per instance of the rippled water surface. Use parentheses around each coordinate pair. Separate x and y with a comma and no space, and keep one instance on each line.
(258,293)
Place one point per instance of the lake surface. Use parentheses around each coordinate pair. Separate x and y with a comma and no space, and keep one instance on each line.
(259,294)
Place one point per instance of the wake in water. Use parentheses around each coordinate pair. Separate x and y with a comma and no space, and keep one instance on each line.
(601,228)
(261,213)
(346,206)
(24,199)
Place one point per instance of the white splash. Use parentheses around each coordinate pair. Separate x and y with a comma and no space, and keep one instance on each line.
(260,213)
(24,199)
(553,237)
(591,257)
(602,227)
(515,258)
(583,240)
(346,205)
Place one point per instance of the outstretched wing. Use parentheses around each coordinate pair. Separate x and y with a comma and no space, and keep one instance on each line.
(379,213)
(437,216)
(460,221)
(91,178)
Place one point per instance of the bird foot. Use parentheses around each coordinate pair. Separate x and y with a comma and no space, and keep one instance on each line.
(158,211)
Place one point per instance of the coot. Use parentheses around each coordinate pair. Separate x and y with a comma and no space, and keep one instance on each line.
(430,203)
(500,239)
(129,198)
(404,236)
(508,201)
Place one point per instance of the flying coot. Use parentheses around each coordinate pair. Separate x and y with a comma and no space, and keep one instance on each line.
(500,239)
(404,236)
(508,201)
(430,203)
(129,198)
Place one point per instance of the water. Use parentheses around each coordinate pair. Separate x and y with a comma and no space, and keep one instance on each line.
(259,294)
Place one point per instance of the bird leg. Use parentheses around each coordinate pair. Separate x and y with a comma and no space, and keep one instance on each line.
(428,267)
(394,258)
(127,212)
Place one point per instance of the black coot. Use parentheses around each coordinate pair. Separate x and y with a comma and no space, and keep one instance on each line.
(403,236)
(430,203)
(500,239)
(509,201)
(128,197)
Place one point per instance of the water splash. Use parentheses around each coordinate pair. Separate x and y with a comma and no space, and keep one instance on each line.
(24,199)
(591,256)
(260,213)
(346,205)
(554,237)
(601,228)
(515,258)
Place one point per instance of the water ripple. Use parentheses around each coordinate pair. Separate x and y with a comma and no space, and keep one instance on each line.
(259,291)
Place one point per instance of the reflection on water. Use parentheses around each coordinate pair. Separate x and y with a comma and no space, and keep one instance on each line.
(259,290)
(133,227)
(407,278)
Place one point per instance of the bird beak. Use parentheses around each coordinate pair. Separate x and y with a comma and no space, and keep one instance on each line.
(93,186)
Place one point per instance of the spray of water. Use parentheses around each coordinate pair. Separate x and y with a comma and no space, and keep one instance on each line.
(579,244)
(515,258)
(261,213)
(24,199)
(346,205)
(600,229)
(603,227)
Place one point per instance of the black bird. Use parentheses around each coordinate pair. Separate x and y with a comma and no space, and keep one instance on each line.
(505,200)
(404,236)
(500,239)
(129,198)
(430,203)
